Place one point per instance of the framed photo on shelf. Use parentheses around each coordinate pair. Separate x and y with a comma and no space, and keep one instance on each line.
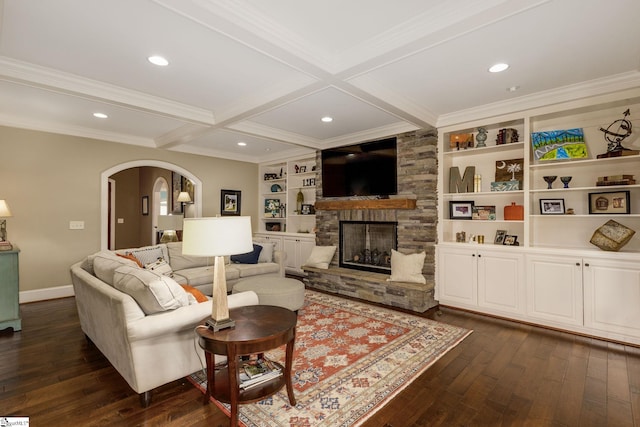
(229,202)
(272,226)
(510,240)
(609,202)
(460,210)
(552,207)
(484,213)
(500,235)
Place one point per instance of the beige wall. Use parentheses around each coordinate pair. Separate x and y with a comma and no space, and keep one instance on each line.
(49,180)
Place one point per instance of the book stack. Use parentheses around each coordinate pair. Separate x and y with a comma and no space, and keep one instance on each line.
(615,180)
(256,372)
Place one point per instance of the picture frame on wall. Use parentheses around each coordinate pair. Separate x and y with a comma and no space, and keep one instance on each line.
(230,202)
(552,207)
(460,209)
(145,205)
(610,202)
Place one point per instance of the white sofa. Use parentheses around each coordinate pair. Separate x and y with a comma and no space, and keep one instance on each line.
(142,321)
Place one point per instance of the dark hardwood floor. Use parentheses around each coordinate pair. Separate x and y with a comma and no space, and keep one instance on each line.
(504,374)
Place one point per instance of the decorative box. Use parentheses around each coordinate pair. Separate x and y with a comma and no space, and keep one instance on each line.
(505,186)
(612,236)
(514,212)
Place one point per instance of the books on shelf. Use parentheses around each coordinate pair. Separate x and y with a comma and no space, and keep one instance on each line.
(256,372)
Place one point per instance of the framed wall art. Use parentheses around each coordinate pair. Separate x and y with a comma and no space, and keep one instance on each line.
(145,205)
(230,202)
(552,207)
(609,202)
(460,210)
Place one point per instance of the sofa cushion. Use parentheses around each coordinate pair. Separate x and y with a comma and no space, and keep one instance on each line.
(266,254)
(249,257)
(203,275)
(148,254)
(321,256)
(180,262)
(105,263)
(248,270)
(407,268)
(160,267)
(153,292)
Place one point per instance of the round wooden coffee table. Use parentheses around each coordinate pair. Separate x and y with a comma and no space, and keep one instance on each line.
(258,328)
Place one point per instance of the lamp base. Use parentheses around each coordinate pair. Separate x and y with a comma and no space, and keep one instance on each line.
(216,325)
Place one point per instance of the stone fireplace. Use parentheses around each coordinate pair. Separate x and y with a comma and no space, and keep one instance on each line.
(366,245)
(413,210)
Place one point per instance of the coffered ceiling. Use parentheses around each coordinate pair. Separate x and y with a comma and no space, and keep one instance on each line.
(266,72)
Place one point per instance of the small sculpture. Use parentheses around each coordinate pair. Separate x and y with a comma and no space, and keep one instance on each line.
(481,137)
(617,132)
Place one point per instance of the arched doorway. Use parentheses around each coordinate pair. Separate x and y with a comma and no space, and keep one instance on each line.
(159,203)
(104,192)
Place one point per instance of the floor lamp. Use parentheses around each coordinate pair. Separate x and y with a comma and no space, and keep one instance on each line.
(217,237)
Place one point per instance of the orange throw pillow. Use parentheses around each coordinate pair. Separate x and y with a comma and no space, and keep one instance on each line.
(132,258)
(199,296)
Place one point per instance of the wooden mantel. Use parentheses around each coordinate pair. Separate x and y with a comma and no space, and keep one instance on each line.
(338,205)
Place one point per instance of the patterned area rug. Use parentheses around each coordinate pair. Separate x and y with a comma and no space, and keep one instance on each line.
(350,359)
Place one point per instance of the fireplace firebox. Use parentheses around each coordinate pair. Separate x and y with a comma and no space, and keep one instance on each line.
(366,245)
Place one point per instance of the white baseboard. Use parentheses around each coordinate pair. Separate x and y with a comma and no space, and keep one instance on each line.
(46,293)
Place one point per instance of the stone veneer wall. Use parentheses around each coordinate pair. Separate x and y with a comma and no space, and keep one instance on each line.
(417,178)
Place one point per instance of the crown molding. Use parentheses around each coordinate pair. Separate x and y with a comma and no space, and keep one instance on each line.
(69,84)
(602,86)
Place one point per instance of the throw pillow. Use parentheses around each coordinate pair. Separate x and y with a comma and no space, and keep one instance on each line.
(249,257)
(199,296)
(148,254)
(266,255)
(105,263)
(161,267)
(153,292)
(407,268)
(321,257)
(132,258)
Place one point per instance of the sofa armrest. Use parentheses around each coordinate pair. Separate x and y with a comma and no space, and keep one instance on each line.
(279,257)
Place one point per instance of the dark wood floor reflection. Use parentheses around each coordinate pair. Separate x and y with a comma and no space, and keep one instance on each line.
(504,374)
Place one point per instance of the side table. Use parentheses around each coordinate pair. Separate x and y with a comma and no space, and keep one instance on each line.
(258,328)
(9,290)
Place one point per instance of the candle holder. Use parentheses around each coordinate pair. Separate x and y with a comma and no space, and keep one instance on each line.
(549,180)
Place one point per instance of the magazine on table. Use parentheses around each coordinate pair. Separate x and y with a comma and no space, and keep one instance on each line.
(255,372)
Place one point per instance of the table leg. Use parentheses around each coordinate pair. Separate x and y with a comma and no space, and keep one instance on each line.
(211,376)
(287,370)
(234,386)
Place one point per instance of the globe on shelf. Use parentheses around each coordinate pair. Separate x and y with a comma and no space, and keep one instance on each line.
(614,134)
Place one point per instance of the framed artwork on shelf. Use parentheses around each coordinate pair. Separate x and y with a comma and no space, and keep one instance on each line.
(272,226)
(460,210)
(609,202)
(230,202)
(500,235)
(552,207)
(484,213)
(272,208)
(461,140)
(510,240)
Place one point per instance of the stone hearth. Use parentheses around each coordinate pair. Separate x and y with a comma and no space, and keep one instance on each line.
(416,230)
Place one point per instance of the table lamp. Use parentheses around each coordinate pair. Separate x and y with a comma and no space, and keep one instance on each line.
(169,224)
(217,237)
(5,212)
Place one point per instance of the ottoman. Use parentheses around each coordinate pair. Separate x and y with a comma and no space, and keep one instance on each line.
(274,290)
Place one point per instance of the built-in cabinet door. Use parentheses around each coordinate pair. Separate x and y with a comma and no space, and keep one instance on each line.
(554,289)
(612,296)
(276,240)
(501,281)
(298,250)
(457,277)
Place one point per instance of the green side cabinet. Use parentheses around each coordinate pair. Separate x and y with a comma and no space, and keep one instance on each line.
(9,288)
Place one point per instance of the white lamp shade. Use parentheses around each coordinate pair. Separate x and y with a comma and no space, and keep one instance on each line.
(170,222)
(217,236)
(5,212)
(184,197)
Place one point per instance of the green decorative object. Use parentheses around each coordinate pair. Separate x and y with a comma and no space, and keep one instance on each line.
(299,201)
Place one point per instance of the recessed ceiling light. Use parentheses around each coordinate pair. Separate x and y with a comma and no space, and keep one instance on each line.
(513,88)
(100,115)
(158,60)
(498,68)
(242,144)
(327,119)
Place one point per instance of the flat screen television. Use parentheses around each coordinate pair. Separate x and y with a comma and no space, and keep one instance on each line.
(367,169)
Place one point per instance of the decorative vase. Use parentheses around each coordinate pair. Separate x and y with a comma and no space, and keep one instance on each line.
(565,180)
(514,212)
(481,137)
(549,180)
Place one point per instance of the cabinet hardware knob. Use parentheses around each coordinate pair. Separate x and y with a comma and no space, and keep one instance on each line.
(577,264)
(479,256)
(586,264)
(473,254)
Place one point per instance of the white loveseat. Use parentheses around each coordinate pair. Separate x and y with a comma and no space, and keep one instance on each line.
(143,321)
